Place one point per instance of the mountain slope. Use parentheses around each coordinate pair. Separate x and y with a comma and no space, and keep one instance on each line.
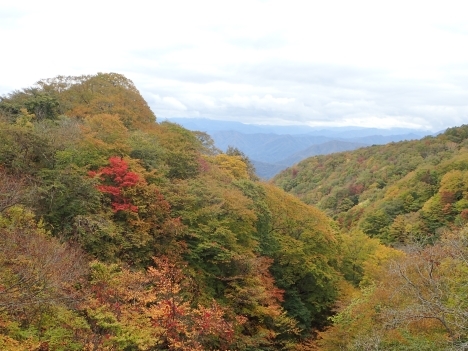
(394,191)
(325,148)
(272,148)
(126,234)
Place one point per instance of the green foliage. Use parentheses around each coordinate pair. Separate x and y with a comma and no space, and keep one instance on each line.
(304,263)
(257,193)
(145,147)
(65,194)
(376,188)
(23,150)
(181,150)
(220,227)
(415,302)
(186,249)
(40,104)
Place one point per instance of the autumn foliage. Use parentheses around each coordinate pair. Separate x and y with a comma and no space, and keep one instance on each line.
(116,178)
(120,233)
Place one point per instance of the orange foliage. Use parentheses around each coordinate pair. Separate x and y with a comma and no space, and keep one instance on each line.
(154,301)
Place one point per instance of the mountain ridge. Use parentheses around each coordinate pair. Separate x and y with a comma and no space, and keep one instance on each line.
(210,125)
(413,183)
(274,148)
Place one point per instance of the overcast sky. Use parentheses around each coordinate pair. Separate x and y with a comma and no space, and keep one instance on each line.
(334,63)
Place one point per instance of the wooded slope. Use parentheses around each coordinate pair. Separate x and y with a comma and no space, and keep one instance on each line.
(413,196)
(120,233)
(396,192)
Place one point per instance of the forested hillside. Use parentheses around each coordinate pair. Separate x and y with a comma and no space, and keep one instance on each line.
(396,192)
(275,148)
(121,233)
(410,195)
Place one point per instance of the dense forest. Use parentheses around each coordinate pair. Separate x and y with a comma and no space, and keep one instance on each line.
(119,233)
(399,192)
(122,233)
(411,196)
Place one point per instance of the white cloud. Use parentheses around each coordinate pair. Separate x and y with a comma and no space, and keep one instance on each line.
(315,62)
(169,103)
(267,102)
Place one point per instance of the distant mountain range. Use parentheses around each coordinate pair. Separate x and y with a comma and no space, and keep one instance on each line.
(274,148)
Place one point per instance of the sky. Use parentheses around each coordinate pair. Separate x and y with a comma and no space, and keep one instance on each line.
(319,63)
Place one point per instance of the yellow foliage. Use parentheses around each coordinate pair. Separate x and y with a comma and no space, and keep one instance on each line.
(106,133)
(233,165)
(376,263)
(25,118)
(392,192)
(416,299)
(288,209)
(109,93)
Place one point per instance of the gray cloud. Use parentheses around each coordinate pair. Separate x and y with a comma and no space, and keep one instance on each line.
(301,93)
(256,61)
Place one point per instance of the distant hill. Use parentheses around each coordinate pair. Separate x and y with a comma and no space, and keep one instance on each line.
(210,126)
(270,148)
(274,148)
(267,170)
(384,139)
(322,149)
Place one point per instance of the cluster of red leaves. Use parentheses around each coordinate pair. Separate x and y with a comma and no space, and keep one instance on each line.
(117,177)
(356,189)
(203,165)
(185,327)
(156,300)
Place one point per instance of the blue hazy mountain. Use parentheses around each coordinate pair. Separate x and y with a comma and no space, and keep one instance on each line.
(209,126)
(266,147)
(274,148)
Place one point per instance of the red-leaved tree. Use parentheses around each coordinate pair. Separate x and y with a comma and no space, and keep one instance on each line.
(116,177)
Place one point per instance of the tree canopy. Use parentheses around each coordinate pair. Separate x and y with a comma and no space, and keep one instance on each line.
(127,234)
(121,233)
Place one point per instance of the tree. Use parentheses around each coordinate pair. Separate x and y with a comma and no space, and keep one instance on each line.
(22,150)
(42,105)
(304,255)
(146,148)
(233,151)
(141,224)
(233,165)
(182,150)
(103,93)
(207,143)
(12,190)
(416,302)
(37,272)
(116,178)
(406,229)
(62,195)
(375,225)
(104,136)
(151,309)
